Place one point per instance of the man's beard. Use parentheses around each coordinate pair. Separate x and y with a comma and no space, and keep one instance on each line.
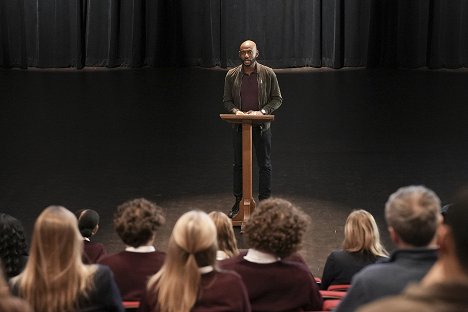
(248,62)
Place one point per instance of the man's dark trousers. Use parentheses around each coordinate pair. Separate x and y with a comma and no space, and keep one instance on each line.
(261,140)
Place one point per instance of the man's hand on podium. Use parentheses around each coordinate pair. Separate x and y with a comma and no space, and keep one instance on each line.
(239,112)
(257,113)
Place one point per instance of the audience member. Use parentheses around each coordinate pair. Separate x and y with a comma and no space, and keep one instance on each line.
(55,278)
(412,215)
(136,222)
(88,224)
(13,251)
(189,280)
(361,247)
(227,243)
(274,232)
(8,303)
(445,287)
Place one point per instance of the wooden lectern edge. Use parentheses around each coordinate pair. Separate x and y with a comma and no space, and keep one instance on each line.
(243,118)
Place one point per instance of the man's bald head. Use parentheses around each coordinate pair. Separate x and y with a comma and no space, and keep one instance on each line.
(248,44)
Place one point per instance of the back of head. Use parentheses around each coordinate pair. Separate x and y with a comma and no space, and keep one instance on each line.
(277,227)
(136,221)
(88,220)
(457,220)
(226,238)
(54,275)
(12,244)
(413,212)
(193,244)
(56,240)
(361,234)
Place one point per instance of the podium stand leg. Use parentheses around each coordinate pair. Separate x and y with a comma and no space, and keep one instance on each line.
(247,203)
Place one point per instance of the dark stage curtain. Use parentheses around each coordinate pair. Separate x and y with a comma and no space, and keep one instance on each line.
(292,33)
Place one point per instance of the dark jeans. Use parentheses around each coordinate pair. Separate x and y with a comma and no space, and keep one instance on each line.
(261,141)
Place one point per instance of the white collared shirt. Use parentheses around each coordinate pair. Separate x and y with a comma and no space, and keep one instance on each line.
(141,249)
(257,256)
(221,255)
(206,269)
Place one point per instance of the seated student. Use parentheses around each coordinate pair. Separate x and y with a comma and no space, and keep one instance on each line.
(13,251)
(189,279)
(274,232)
(136,222)
(412,215)
(445,286)
(8,303)
(227,244)
(55,278)
(88,224)
(361,247)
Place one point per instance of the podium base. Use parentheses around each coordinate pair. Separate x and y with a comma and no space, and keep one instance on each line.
(246,207)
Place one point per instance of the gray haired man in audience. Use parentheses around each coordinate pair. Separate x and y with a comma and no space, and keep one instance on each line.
(445,287)
(413,215)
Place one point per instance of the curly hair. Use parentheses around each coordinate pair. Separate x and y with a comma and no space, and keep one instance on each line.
(12,245)
(276,226)
(137,220)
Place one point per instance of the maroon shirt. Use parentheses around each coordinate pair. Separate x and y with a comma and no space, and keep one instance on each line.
(249,92)
(92,252)
(280,286)
(132,271)
(220,291)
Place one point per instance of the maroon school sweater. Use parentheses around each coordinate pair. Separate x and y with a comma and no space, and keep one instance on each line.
(92,252)
(280,286)
(132,271)
(220,291)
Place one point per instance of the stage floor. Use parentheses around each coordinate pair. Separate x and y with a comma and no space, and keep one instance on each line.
(343,140)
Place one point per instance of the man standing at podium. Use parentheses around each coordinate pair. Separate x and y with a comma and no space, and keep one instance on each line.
(251,88)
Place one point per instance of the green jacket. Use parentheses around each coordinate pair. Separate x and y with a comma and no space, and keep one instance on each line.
(269,93)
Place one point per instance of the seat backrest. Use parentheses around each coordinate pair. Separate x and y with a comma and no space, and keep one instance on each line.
(131,306)
(341,287)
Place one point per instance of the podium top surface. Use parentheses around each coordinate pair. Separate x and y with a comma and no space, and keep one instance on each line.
(233,118)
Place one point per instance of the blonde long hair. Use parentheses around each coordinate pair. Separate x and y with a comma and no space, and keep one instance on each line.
(55,277)
(361,234)
(226,239)
(192,245)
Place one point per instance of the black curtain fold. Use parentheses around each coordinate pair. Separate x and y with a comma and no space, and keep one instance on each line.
(13,49)
(448,45)
(293,33)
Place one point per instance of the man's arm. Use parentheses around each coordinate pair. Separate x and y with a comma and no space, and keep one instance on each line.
(227,96)
(275,98)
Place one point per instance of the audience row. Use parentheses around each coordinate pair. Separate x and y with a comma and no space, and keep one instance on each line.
(203,269)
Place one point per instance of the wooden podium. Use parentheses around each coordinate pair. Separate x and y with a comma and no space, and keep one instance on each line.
(247,203)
